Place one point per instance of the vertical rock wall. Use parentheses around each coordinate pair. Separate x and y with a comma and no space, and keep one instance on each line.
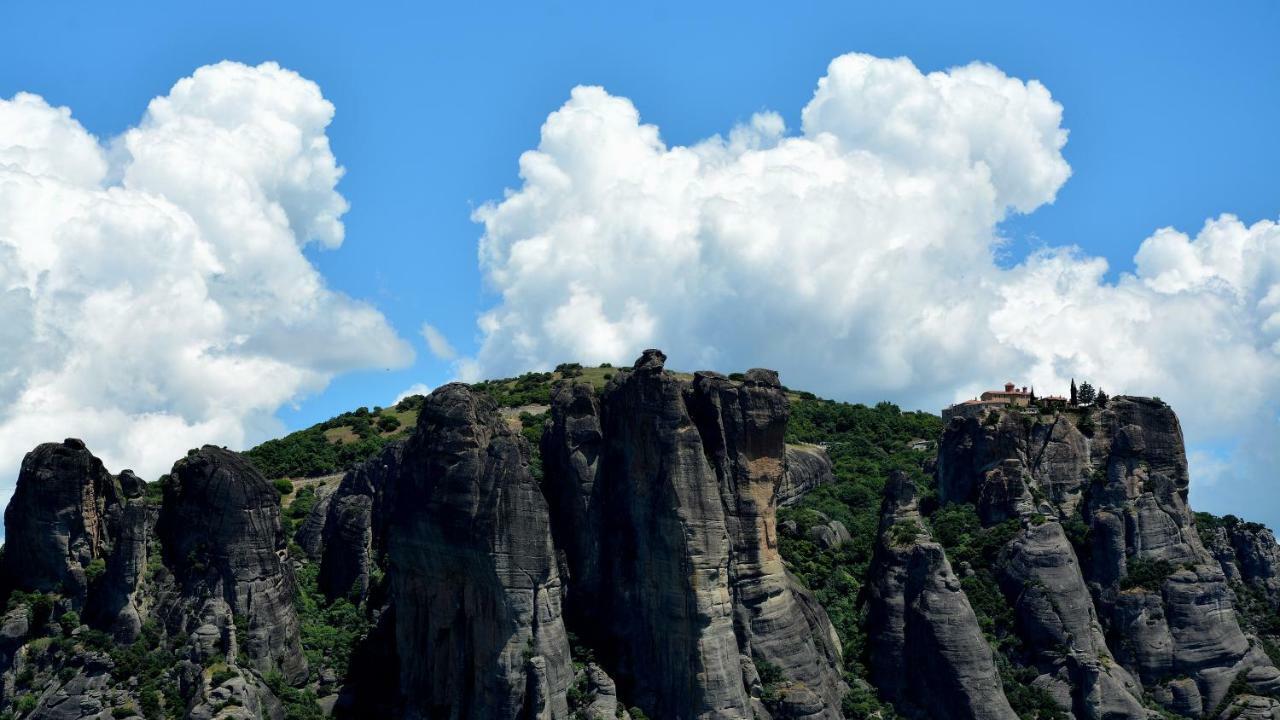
(474,580)
(667,492)
(1136,605)
(220,528)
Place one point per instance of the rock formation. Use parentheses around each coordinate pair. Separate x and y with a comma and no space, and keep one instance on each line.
(354,529)
(73,530)
(474,582)
(928,653)
(220,528)
(630,562)
(667,492)
(807,467)
(1121,612)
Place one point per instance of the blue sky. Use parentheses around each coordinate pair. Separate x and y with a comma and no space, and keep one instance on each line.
(1171,108)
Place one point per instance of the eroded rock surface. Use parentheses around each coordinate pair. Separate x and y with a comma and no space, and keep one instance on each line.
(356,518)
(474,583)
(220,526)
(928,653)
(77,531)
(808,466)
(1136,604)
(667,491)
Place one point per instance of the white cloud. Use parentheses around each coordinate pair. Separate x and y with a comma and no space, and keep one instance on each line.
(414,389)
(857,256)
(437,343)
(153,289)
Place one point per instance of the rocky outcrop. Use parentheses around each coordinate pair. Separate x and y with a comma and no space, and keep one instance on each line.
(1125,609)
(1247,553)
(56,522)
(75,530)
(666,491)
(808,466)
(220,528)
(356,517)
(1040,573)
(310,533)
(928,654)
(475,584)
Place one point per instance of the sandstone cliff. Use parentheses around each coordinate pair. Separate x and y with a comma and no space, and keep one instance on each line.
(928,654)
(1136,605)
(666,492)
(630,561)
(475,585)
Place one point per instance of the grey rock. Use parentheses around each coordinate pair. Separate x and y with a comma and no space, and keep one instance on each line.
(1251,707)
(666,493)
(1123,478)
(476,587)
(808,466)
(56,522)
(1041,576)
(70,521)
(310,533)
(220,525)
(928,653)
(354,536)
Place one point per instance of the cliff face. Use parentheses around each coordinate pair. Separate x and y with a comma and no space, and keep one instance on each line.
(474,581)
(928,654)
(84,546)
(75,530)
(632,560)
(1137,604)
(220,528)
(807,467)
(353,524)
(667,492)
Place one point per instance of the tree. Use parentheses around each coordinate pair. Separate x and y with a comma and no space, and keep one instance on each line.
(1087,393)
(1101,400)
(1074,396)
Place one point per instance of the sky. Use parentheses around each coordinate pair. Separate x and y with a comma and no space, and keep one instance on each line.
(221,222)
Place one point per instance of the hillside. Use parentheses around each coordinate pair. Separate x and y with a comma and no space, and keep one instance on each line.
(352,437)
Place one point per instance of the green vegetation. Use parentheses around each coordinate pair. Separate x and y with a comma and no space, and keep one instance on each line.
(95,570)
(282,486)
(1146,574)
(335,444)
(298,704)
(958,528)
(70,620)
(865,444)
(528,389)
(298,510)
(221,674)
(329,630)
(771,679)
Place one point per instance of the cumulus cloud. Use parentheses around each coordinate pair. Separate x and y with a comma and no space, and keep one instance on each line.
(437,343)
(857,255)
(414,389)
(153,287)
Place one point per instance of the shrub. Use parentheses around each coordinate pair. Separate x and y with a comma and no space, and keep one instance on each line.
(95,569)
(25,703)
(69,621)
(770,678)
(904,533)
(222,674)
(40,610)
(1146,574)
(284,487)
